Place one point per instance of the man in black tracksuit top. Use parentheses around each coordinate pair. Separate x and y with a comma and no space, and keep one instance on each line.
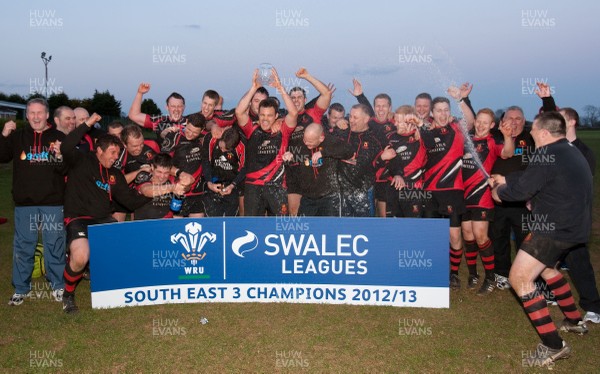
(38,185)
(510,215)
(382,125)
(317,162)
(558,185)
(357,174)
(92,185)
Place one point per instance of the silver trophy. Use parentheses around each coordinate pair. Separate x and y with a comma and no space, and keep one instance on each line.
(265,74)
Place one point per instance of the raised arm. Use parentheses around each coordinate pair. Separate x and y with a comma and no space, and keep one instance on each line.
(543,91)
(6,150)
(135,112)
(243,107)
(292,115)
(461,96)
(357,92)
(67,147)
(324,92)
(509,144)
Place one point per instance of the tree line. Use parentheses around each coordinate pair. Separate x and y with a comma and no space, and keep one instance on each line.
(105,104)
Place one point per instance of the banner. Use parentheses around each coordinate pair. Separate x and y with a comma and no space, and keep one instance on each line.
(361,261)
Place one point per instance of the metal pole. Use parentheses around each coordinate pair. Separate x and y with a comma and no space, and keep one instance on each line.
(46,61)
(46,81)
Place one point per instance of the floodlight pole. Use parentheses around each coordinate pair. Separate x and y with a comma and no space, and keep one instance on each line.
(46,61)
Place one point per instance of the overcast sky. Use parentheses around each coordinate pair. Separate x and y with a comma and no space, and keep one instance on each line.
(400,48)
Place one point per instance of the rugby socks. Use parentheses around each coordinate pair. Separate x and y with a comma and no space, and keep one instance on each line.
(71,278)
(455,257)
(486,251)
(537,310)
(471,256)
(564,297)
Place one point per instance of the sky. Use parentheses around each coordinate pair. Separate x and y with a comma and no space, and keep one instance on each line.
(393,47)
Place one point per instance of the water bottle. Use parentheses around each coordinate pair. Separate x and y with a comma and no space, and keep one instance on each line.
(176,203)
(217,182)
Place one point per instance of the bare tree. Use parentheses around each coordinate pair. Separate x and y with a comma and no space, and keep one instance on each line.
(591,116)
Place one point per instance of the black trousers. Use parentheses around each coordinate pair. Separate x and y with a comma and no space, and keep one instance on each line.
(507,218)
(325,206)
(584,280)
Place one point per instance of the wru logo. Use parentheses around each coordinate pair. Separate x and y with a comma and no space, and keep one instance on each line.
(193,242)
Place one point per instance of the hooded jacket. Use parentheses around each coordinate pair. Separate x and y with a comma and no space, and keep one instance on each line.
(38,172)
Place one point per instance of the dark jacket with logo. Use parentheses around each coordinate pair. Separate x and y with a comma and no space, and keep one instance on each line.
(38,173)
(92,187)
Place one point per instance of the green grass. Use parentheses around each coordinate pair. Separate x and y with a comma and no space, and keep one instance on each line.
(475,335)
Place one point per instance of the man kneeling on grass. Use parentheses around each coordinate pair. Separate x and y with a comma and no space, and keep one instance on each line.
(92,184)
(558,185)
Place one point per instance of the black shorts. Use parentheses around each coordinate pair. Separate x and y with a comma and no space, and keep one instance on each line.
(380,191)
(546,250)
(478,214)
(446,204)
(192,205)
(216,205)
(270,198)
(293,181)
(406,202)
(78,227)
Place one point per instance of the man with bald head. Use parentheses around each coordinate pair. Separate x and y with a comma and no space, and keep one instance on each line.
(313,135)
(87,142)
(317,161)
(64,119)
(81,115)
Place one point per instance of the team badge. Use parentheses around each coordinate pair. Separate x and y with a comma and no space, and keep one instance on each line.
(193,242)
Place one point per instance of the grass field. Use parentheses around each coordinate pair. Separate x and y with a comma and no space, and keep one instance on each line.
(475,335)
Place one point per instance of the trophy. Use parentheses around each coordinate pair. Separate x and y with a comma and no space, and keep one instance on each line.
(265,75)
